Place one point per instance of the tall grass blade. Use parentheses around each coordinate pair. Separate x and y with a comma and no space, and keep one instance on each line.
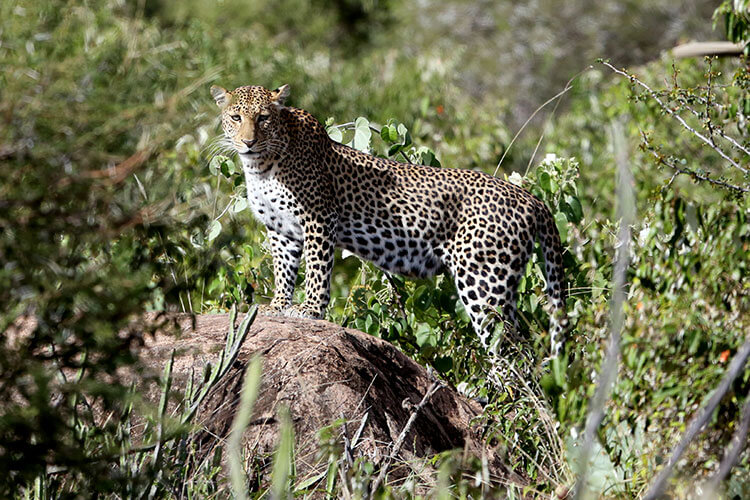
(283,465)
(250,387)
(610,364)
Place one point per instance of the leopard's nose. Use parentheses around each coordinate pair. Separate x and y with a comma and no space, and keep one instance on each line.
(249,143)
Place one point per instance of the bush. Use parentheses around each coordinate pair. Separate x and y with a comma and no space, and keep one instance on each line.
(115,200)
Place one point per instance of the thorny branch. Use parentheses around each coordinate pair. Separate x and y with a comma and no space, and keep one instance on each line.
(655,96)
(709,124)
(663,160)
(707,103)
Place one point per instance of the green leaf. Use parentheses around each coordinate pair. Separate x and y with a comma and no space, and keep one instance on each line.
(331,474)
(533,303)
(462,314)
(443,364)
(427,157)
(392,133)
(215,164)
(393,150)
(422,298)
(227,167)
(384,134)
(548,383)
(283,463)
(562,226)
(426,337)
(372,325)
(362,134)
(214,229)
(310,481)
(239,205)
(335,134)
(249,395)
(391,333)
(545,182)
(576,210)
(558,371)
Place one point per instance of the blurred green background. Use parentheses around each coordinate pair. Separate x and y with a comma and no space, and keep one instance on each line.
(113,202)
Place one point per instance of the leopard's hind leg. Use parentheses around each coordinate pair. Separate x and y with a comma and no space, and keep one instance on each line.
(487,274)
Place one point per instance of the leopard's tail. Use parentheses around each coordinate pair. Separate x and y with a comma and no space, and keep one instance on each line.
(549,239)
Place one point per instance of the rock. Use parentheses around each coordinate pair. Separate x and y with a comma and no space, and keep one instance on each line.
(321,372)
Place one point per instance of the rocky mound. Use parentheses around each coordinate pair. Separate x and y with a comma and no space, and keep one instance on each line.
(321,373)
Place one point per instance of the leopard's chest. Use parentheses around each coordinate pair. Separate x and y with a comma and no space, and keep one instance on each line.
(274,205)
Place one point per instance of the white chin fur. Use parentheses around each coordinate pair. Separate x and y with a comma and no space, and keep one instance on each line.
(251,163)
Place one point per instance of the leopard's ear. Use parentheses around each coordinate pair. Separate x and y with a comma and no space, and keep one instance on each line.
(220,95)
(280,94)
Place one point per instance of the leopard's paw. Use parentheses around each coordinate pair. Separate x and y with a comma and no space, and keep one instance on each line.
(270,310)
(302,311)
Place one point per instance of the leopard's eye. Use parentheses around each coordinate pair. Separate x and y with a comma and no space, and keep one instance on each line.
(262,118)
(236,117)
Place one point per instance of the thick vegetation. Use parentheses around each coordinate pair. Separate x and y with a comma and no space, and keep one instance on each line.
(115,199)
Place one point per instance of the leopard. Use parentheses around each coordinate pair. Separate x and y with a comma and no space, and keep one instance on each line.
(314,195)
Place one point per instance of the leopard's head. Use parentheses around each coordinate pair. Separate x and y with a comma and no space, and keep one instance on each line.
(251,119)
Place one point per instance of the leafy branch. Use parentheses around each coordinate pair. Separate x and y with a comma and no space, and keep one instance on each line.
(655,96)
(672,163)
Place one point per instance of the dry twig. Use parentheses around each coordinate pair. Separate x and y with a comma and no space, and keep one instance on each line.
(401,437)
(735,368)
(739,440)
(568,86)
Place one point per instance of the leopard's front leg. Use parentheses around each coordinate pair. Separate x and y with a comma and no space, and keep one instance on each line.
(286,253)
(320,243)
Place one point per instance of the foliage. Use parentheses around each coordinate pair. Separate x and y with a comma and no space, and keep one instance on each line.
(736,15)
(115,199)
(80,259)
(687,307)
(345,23)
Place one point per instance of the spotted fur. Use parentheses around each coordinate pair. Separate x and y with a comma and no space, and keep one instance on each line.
(314,194)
